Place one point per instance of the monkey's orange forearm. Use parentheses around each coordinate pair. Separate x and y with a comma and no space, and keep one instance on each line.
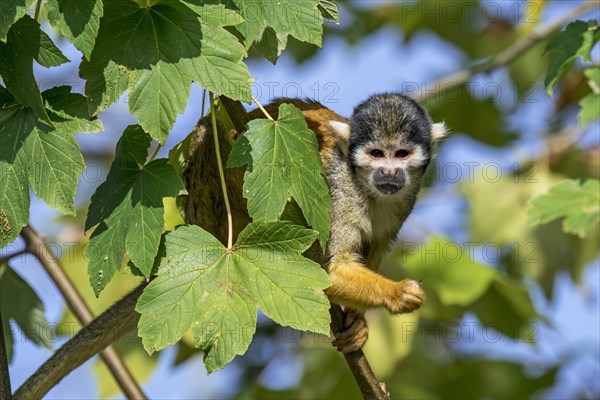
(356,286)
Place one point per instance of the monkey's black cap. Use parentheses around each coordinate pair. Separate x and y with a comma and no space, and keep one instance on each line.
(390,116)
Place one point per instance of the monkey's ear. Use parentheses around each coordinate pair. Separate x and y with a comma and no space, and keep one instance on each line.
(341,129)
(342,134)
(438,131)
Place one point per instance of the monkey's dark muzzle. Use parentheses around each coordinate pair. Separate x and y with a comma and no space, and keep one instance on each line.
(389,184)
(389,187)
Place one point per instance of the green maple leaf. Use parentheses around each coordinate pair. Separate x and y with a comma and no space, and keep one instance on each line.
(283,159)
(12,11)
(577,40)
(590,104)
(19,302)
(128,209)
(329,10)
(27,42)
(578,202)
(270,22)
(156,52)
(78,20)
(34,154)
(215,292)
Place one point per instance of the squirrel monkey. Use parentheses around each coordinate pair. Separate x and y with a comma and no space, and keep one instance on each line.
(374,162)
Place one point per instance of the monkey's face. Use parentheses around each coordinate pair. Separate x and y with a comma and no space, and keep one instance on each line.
(385,169)
(390,144)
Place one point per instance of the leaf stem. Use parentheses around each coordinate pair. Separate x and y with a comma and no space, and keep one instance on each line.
(213,115)
(156,152)
(38,7)
(262,108)
(203,102)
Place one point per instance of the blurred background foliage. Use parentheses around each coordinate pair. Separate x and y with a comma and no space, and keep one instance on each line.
(494,282)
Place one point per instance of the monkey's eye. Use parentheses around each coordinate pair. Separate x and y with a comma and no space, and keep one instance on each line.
(376,153)
(402,154)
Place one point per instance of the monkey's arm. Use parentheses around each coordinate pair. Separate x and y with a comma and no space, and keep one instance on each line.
(111,325)
(356,286)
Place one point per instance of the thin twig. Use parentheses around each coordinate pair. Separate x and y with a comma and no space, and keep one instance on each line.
(38,246)
(213,115)
(368,384)
(158,147)
(5,390)
(503,58)
(262,108)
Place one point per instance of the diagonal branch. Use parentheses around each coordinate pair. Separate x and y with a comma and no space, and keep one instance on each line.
(5,391)
(368,384)
(37,245)
(503,58)
(110,326)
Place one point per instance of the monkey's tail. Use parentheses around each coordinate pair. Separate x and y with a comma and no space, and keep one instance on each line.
(204,205)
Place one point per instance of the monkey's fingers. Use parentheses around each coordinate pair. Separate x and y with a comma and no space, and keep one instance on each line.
(350,332)
(356,334)
(352,343)
(349,317)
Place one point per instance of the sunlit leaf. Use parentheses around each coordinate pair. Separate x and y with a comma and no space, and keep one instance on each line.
(78,20)
(578,202)
(214,291)
(282,159)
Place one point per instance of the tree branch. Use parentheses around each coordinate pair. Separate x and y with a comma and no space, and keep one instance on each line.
(367,382)
(37,245)
(502,59)
(110,326)
(5,391)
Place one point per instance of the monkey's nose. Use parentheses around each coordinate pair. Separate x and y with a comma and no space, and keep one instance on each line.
(389,171)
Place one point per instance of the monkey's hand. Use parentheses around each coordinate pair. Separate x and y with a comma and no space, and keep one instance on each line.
(405,297)
(354,334)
